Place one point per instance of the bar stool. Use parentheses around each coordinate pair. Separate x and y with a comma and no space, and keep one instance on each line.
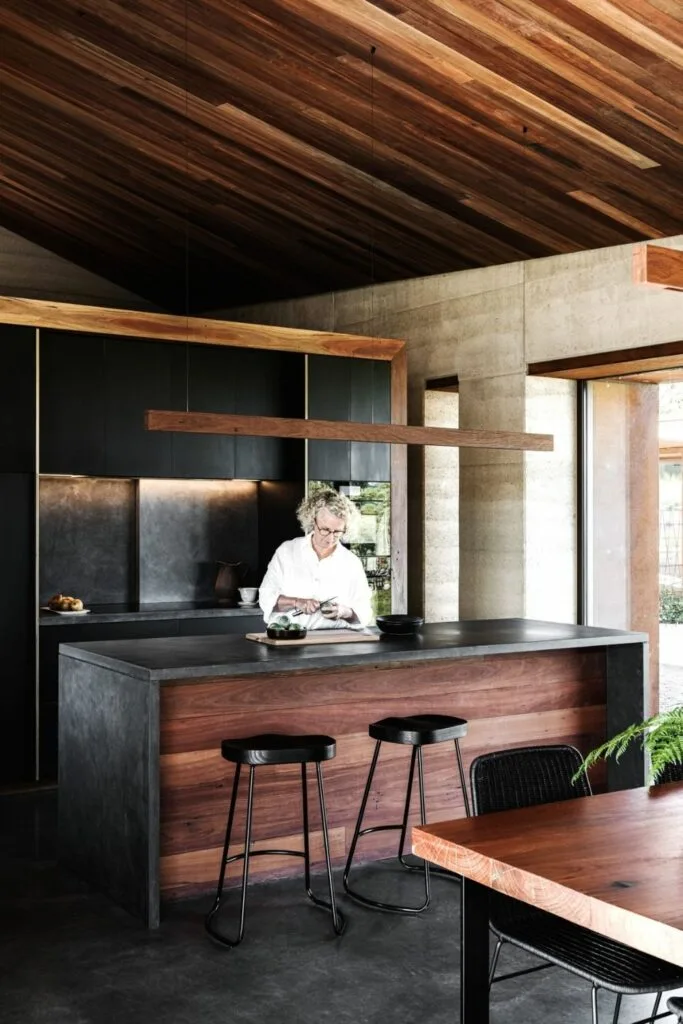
(272,749)
(416,731)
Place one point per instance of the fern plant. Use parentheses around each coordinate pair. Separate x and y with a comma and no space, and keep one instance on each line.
(661,736)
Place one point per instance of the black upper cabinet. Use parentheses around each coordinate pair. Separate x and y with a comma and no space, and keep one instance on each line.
(72,410)
(18,406)
(140,375)
(207,384)
(95,391)
(329,394)
(342,388)
(370,402)
(269,384)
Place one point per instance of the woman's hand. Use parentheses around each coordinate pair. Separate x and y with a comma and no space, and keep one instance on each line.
(306,605)
(338,611)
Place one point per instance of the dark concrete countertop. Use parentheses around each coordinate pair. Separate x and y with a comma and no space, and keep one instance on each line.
(135,612)
(197,657)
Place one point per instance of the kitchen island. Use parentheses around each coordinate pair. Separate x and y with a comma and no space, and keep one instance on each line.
(143,790)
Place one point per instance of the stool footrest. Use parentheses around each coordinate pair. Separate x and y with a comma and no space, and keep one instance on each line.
(264,853)
(379,828)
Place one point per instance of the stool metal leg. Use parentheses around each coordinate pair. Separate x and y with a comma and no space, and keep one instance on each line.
(406,809)
(227,860)
(358,831)
(361,813)
(463,781)
(338,922)
(401,855)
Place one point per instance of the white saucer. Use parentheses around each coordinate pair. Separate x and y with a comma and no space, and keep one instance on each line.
(247,604)
(57,611)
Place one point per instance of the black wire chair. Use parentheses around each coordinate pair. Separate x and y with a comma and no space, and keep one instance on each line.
(524,777)
(670,773)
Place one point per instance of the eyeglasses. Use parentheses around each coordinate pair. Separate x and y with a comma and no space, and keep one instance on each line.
(325,532)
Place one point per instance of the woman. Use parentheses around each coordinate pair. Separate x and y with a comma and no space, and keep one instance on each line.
(314,576)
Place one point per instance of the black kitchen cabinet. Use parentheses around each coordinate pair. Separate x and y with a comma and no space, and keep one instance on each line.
(206,385)
(140,375)
(72,407)
(269,384)
(95,391)
(18,405)
(370,402)
(17,627)
(254,382)
(341,388)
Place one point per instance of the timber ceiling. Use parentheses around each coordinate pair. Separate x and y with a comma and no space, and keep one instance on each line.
(206,153)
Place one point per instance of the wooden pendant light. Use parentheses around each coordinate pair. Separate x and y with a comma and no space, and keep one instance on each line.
(336,430)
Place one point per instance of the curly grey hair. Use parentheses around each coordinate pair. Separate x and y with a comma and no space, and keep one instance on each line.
(325,497)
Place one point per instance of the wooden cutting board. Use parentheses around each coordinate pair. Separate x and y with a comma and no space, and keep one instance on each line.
(316,636)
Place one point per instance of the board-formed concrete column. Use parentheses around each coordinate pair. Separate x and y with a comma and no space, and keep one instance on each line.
(492,502)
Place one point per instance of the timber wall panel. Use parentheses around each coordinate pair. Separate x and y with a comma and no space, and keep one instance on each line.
(509,701)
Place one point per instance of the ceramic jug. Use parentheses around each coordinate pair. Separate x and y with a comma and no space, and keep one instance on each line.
(230,576)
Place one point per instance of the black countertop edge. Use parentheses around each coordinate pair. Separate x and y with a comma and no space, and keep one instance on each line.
(245,657)
(150,613)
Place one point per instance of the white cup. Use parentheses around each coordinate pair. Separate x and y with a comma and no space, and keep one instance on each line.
(249,594)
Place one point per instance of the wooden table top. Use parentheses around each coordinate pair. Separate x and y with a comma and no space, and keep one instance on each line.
(611,862)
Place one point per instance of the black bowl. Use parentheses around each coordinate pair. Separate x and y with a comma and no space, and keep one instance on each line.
(399,625)
(286,634)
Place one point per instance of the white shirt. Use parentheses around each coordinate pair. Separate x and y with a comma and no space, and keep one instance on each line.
(296,571)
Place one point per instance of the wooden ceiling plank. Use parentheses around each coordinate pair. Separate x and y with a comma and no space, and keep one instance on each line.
(182,234)
(307,207)
(465,17)
(433,175)
(364,16)
(616,214)
(639,30)
(44,229)
(608,239)
(387,433)
(357,187)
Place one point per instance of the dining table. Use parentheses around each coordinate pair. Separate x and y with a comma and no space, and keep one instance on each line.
(611,862)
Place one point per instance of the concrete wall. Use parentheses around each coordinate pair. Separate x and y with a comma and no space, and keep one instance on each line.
(29,272)
(516,511)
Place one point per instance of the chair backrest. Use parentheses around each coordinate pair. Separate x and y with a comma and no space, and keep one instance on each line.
(671,773)
(523,777)
(526,776)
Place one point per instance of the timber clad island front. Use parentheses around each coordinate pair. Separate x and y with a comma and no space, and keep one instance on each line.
(144,790)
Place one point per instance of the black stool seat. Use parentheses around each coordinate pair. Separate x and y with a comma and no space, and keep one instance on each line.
(270,749)
(276,748)
(418,730)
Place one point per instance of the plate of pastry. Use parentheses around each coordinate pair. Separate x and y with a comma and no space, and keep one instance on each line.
(64,604)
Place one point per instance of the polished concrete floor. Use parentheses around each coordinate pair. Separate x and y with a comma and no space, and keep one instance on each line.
(69,956)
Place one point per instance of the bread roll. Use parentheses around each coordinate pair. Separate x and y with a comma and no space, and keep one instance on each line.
(64,603)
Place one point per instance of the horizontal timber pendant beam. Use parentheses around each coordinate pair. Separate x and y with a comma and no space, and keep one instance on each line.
(655,264)
(336,430)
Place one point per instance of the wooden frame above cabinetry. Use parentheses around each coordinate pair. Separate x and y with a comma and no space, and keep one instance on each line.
(204,331)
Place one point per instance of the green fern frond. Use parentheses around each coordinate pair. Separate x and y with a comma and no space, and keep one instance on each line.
(661,737)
